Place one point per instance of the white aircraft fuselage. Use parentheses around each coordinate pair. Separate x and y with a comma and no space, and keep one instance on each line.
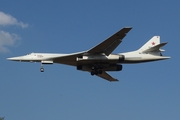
(100,59)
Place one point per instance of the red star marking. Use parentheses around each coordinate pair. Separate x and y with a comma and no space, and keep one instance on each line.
(153,43)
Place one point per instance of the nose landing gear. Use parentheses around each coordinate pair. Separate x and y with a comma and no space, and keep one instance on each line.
(42,69)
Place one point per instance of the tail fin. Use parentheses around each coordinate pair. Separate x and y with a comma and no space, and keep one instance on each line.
(153,46)
(151,43)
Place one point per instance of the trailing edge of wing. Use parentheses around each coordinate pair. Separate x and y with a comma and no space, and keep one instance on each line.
(111,43)
(106,76)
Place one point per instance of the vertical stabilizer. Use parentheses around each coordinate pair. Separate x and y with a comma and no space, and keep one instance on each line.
(151,43)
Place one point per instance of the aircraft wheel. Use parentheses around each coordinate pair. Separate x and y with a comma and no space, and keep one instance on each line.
(42,69)
(92,72)
(93,68)
(96,72)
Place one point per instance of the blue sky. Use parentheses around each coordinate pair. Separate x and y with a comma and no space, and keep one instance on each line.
(145,91)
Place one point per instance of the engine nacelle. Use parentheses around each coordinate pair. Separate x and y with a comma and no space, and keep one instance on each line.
(105,67)
(113,68)
(80,67)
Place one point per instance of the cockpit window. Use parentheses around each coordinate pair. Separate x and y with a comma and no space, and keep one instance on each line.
(29,53)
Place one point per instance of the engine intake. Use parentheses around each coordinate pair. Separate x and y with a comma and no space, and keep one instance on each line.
(121,58)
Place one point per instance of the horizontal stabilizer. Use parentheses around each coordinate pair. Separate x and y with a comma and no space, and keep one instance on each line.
(155,48)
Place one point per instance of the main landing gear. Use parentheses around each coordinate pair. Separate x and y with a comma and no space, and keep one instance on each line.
(96,69)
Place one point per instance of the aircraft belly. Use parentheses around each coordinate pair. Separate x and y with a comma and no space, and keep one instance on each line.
(75,63)
(66,61)
(106,67)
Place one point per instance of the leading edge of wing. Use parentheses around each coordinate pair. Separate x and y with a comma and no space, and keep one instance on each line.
(108,45)
(106,76)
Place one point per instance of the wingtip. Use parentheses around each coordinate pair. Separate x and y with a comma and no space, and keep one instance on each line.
(114,80)
(128,27)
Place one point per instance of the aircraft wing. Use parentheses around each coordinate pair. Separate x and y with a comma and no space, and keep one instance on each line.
(111,43)
(106,76)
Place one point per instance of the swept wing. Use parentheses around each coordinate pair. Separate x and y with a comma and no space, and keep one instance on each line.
(111,43)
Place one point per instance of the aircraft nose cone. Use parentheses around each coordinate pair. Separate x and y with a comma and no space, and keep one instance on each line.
(9,58)
(15,58)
